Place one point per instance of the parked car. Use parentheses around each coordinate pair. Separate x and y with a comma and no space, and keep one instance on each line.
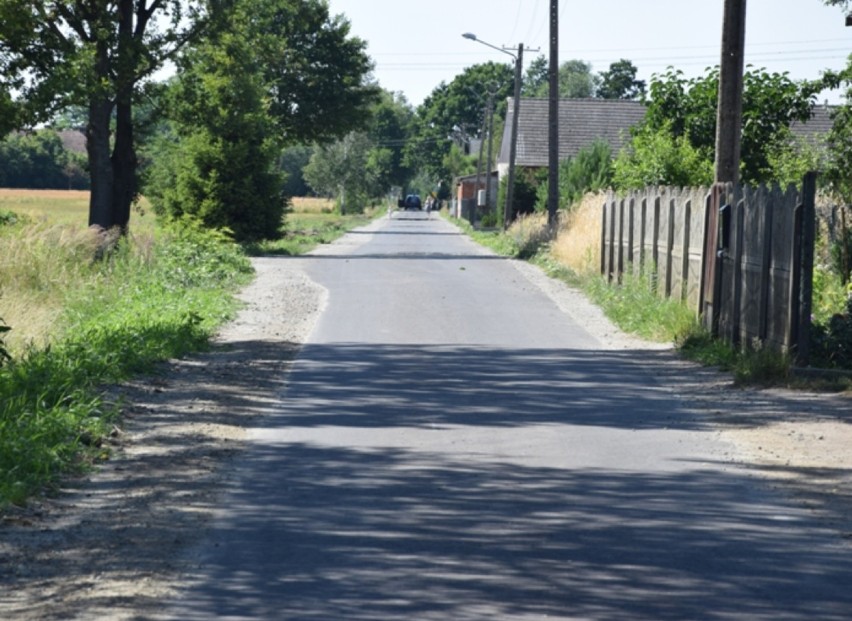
(412,201)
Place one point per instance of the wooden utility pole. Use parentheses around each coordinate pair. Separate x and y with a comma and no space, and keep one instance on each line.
(490,114)
(730,102)
(553,119)
(513,145)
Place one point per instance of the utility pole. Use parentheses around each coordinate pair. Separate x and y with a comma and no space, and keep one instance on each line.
(490,113)
(479,167)
(553,120)
(513,148)
(730,102)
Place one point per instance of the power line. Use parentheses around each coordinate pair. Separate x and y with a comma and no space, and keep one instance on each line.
(632,50)
(517,17)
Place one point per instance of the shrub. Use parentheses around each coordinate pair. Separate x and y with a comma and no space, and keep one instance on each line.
(654,157)
(831,341)
(590,171)
(8,218)
(530,233)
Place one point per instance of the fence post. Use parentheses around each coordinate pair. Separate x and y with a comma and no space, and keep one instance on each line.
(603,239)
(687,223)
(631,221)
(612,238)
(707,297)
(620,265)
(643,228)
(737,305)
(655,252)
(670,235)
(806,267)
(768,206)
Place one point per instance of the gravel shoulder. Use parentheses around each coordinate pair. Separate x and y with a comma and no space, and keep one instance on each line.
(113,544)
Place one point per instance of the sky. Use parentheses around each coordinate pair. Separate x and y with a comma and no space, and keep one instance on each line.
(417,44)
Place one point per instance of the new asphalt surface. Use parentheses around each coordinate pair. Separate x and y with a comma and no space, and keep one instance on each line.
(452,446)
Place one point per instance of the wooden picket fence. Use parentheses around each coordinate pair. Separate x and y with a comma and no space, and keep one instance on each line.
(741,257)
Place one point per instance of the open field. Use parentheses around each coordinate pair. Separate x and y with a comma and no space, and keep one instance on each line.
(65,207)
(310,204)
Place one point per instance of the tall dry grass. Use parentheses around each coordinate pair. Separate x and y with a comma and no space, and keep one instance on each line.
(578,241)
(48,257)
(311,204)
(41,264)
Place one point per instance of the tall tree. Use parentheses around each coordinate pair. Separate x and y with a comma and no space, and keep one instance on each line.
(389,130)
(341,170)
(576,81)
(95,53)
(291,163)
(315,71)
(234,111)
(837,172)
(453,112)
(619,82)
(535,78)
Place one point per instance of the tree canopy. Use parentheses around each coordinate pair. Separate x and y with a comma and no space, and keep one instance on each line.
(576,80)
(619,82)
(95,54)
(232,117)
(453,113)
(309,74)
(686,108)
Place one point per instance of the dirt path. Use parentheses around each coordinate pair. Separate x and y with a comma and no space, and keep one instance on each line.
(113,545)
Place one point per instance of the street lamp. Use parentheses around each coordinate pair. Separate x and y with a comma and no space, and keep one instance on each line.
(513,143)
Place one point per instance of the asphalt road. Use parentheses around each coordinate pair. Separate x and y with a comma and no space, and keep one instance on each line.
(454,447)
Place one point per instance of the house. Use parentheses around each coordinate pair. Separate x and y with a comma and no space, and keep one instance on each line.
(581,123)
(817,127)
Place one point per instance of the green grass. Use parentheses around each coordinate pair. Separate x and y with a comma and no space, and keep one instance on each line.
(633,305)
(304,231)
(636,308)
(145,303)
(495,239)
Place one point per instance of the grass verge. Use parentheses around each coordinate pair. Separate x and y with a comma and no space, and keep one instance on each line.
(310,223)
(150,300)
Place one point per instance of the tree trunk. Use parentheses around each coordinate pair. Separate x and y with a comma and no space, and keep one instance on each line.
(98,147)
(124,153)
(100,167)
(123,166)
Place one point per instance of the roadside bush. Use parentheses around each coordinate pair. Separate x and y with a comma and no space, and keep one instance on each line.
(149,300)
(831,340)
(530,233)
(590,171)
(524,197)
(759,365)
(655,157)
